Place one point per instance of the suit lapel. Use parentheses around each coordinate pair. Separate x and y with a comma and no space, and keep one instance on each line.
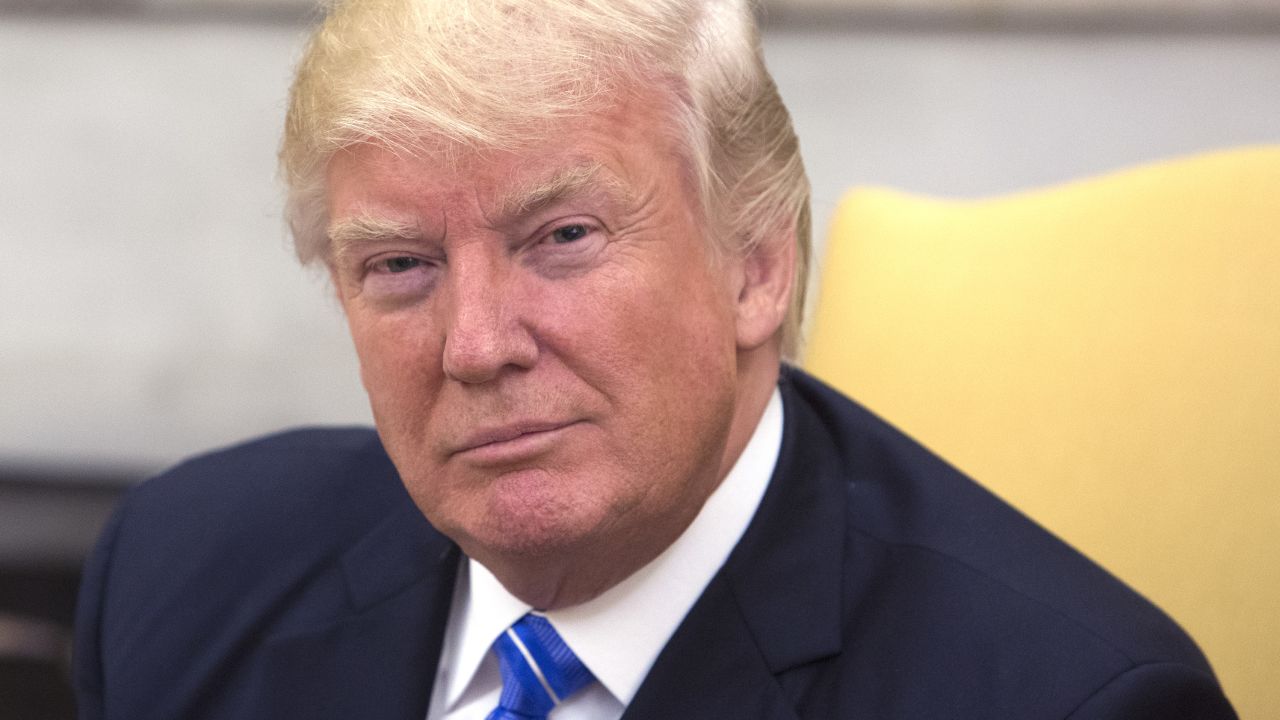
(775,605)
(376,658)
(711,668)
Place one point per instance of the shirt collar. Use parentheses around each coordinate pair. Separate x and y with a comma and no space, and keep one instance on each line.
(643,611)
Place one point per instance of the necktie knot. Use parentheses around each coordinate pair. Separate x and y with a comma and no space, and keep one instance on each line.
(539,670)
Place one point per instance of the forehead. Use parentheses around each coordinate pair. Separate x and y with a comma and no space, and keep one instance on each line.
(621,151)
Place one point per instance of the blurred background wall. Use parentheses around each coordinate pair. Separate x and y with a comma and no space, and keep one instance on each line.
(149,303)
(149,306)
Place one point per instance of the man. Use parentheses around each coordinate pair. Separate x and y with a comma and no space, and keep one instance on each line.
(567,237)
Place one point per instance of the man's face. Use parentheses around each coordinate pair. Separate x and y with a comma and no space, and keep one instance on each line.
(547,341)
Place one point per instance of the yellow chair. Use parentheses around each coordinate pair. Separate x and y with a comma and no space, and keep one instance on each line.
(1104,355)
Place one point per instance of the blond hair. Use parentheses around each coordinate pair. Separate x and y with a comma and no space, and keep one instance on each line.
(484,74)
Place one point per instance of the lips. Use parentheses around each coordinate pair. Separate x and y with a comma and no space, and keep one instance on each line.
(511,442)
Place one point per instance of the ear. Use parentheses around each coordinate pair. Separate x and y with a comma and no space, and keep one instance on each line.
(768,273)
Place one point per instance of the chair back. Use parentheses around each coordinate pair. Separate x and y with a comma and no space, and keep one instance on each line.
(1104,355)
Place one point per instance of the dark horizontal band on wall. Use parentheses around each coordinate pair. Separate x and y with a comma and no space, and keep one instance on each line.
(1117,20)
(865,16)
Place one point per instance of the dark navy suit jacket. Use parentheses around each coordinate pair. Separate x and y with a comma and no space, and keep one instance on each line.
(292,577)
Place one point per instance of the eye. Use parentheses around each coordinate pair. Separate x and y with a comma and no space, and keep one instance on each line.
(565,246)
(398,264)
(569,233)
(397,277)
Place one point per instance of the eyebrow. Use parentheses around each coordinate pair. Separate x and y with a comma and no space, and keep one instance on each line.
(359,229)
(575,180)
(523,200)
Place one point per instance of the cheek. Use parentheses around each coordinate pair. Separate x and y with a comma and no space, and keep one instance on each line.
(665,354)
(689,329)
(398,362)
(371,353)
(668,307)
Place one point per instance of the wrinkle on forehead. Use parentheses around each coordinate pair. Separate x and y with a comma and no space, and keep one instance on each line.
(507,186)
(584,177)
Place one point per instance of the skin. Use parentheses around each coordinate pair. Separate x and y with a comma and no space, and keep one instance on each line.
(559,365)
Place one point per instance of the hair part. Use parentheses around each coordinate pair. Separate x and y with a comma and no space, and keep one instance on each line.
(453,76)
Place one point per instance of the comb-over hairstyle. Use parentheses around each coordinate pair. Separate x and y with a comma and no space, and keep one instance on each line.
(451,76)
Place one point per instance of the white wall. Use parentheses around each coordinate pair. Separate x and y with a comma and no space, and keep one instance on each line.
(149,305)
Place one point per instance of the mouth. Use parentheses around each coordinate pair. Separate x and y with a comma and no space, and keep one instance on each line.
(512,443)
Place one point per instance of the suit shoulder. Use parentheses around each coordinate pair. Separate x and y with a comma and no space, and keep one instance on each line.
(306,462)
(201,565)
(300,493)
(947,534)
(303,442)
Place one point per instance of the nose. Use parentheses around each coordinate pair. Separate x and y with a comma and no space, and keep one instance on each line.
(484,332)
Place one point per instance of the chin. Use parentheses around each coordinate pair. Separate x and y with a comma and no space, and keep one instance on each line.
(548,561)
(531,515)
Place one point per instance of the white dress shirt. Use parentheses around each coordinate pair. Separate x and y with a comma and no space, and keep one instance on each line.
(619,634)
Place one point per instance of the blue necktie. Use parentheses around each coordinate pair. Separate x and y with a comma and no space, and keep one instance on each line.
(538,670)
